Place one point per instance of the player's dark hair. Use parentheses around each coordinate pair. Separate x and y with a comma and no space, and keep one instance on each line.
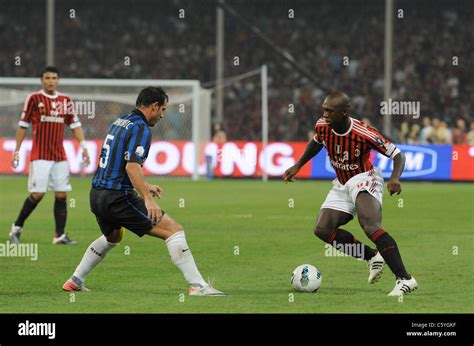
(151,95)
(50,69)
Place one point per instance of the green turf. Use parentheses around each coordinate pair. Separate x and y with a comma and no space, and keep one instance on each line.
(272,239)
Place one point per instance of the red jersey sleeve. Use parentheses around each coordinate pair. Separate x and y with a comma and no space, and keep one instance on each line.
(318,132)
(70,114)
(381,144)
(27,114)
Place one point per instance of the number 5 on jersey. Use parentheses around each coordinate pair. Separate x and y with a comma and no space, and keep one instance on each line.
(106,147)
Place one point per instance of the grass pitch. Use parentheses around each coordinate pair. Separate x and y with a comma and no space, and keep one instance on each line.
(247,236)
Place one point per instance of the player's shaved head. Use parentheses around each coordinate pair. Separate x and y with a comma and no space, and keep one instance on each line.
(338,100)
(335,108)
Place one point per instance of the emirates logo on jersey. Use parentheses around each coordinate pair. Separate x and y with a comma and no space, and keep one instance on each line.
(344,166)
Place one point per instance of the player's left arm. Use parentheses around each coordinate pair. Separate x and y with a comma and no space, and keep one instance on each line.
(393,184)
(72,120)
(384,146)
(78,134)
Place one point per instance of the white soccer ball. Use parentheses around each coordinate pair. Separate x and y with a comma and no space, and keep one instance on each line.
(306,278)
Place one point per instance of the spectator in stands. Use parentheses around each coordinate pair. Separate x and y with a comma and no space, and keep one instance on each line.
(413,136)
(432,137)
(470,135)
(459,137)
(219,134)
(426,130)
(459,132)
(441,133)
(152,35)
(404,131)
(220,137)
(446,136)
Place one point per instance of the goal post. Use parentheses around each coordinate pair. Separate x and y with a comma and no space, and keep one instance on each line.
(257,112)
(264,82)
(187,120)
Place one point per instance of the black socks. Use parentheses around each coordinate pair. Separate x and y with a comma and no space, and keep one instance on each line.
(344,241)
(60,215)
(28,206)
(389,250)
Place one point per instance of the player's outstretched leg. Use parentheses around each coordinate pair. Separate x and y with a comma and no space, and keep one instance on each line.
(327,229)
(181,255)
(28,206)
(60,216)
(369,212)
(94,254)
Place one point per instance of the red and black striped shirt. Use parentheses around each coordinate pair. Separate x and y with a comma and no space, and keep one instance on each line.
(349,152)
(48,114)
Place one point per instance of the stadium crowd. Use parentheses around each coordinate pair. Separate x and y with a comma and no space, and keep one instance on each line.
(340,42)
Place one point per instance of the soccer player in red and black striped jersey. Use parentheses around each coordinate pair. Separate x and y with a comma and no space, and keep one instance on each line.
(47,112)
(358,189)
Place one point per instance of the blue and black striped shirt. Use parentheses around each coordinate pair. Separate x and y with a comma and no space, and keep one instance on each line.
(128,140)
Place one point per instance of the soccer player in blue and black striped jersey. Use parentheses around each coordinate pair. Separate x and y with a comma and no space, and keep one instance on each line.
(120,197)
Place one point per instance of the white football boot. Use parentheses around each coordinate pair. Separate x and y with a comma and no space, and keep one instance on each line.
(403,286)
(375,265)
(207,290)
(15,233)
(63,239)
(74,284)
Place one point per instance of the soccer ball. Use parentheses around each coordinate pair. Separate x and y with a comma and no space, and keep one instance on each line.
(306,278)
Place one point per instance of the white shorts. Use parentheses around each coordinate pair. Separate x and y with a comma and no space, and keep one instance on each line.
(343,197)
(48,174)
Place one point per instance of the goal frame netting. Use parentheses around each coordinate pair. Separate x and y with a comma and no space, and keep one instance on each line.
(194,85)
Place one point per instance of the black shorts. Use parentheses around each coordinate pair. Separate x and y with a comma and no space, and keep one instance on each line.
(115,209)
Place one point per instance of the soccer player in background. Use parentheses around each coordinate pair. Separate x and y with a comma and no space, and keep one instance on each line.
(47,111)
(116,204)
(358,188)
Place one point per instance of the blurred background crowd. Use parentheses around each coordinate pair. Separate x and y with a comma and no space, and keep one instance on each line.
(433,56)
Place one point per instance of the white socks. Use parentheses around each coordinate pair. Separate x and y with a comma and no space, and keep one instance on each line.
(177,247)
(181,256)
(93,255)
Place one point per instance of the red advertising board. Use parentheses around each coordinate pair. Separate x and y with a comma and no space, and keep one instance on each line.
(462,167)
(247,159)
(176,158)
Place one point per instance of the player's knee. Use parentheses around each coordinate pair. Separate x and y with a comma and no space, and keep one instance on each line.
(116,236)
(321,231)
(370,227)
(60,196)
(37,196)
(177,228)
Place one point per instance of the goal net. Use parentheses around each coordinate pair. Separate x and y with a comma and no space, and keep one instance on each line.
(178,139)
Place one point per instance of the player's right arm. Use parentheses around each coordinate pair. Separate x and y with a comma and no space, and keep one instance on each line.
(137,178)
(312,149)
(22,128)
(136,158)
(19,137)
